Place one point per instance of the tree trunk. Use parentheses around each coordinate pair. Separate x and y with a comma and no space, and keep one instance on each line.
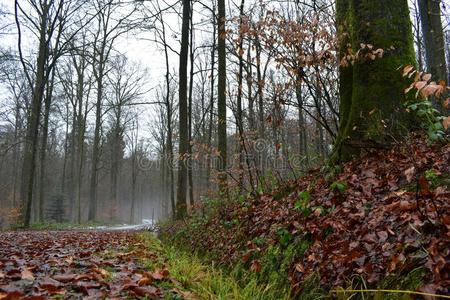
(16,150)
(303,146)
(181,206)
(29,163)
(433,34)
(169,166)
(371,91)
(133,182)
(191,87)
(221,98)
(96,147)
(211,103)
(239,121)
(42,176)
(251,102)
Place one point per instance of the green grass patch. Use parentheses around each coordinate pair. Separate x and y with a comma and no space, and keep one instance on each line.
(204,280)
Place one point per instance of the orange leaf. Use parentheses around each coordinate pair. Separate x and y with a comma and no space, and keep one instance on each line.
(407,69)
(446,123)
(144,281)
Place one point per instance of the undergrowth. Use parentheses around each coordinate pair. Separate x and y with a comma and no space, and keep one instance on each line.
(361,231)
(204,280)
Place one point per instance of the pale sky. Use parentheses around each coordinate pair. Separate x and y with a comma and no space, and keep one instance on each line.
(136,47)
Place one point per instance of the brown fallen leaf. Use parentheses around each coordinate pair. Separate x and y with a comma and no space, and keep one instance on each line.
(144,281)
(409,173)
(13,295)
(65,278)
(446,123)
(256,266)
(186,295)
(35,297)
(83,277)
(50,285)
(148,291)
(27,275)
(100,271)
(160,274)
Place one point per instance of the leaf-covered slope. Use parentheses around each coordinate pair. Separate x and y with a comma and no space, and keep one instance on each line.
(386,213)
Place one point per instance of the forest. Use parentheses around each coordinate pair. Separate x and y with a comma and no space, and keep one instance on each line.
(225,149)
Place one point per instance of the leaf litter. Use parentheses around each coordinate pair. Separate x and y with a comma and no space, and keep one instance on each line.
(379,216)
(77,265)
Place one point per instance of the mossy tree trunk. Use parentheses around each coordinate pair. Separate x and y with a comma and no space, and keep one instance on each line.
(371,91)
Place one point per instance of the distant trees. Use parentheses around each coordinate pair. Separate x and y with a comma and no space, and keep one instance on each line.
(47,20)
(108,29)
(251,93)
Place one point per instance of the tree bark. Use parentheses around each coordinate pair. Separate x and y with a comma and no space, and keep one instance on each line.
(31,140)
(181,206)
(96,147)
(221,98)
(211,102)
(191,87)
(371,91)
(42,175)
(433,34)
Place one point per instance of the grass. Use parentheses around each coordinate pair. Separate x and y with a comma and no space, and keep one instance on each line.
(205,281)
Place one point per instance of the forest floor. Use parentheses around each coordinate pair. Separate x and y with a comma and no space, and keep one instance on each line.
(376,227)
(88,264)
(107,264)
(379,222)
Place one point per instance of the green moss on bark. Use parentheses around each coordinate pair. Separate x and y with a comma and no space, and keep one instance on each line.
(372,90)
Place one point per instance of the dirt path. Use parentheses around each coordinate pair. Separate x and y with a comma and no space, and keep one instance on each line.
(87,264)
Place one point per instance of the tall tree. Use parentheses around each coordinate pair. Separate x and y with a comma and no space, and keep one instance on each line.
(47,20)
(221,97)
(181,206)
(434,40)
(371,88)
(109,28)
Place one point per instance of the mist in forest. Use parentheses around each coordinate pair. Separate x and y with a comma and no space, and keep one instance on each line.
(114,112)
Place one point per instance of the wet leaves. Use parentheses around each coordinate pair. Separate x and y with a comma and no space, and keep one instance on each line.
(76,264)
(387,220)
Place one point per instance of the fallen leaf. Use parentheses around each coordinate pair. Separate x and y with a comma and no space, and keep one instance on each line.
(27,275)
(65,278)
(446,123)
(13,295)
(256,266)
(409,173)
(144,281)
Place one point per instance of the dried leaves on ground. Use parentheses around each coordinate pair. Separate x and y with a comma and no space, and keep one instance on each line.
(78,264)
(386,213)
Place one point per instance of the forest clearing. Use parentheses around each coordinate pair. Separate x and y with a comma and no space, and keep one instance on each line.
(224,149)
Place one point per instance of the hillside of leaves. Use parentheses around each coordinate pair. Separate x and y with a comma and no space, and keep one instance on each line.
(381,217)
